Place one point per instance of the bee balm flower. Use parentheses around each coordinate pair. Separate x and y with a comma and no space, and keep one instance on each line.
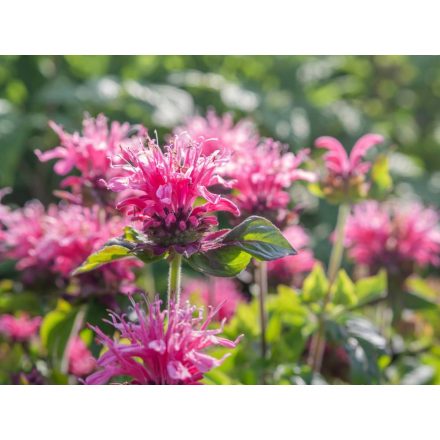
(20,328)
(393,236)
(346,173)
(162,348)
(88,152)
(168,184)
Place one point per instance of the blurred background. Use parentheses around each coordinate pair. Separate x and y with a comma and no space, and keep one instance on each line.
(292,98)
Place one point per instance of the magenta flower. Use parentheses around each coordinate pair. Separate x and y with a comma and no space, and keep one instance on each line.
(262,176)
(88,152)
(220,134)
(81,361)
(346,173)
(220,293)
(169,183)
(21,328)
(393,236)
(291,270)
(56,241)
(162,348)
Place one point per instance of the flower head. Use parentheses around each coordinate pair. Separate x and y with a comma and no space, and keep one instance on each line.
(393,236)
(169,182)
(81,361)
(262,176)
(220,134)
(220,293)
(21,328)
(346,174)
(162,348)
(88,153)
(291,270)
(57,240)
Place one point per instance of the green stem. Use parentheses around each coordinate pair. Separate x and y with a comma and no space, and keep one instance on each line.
(174,277)
(318,341)
(262,293)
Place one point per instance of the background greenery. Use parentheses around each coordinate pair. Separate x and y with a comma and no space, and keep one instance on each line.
(294,99)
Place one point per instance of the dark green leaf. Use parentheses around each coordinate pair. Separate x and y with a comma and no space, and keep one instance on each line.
(415,301)
(260,238)
(105,255)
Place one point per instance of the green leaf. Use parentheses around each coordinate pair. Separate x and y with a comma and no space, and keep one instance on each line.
(316,285)
(371,289)
(226,261)
(380,175)
(414,301)
(344,290)
(56,330)
(260,238)
(105,255)
(255,237)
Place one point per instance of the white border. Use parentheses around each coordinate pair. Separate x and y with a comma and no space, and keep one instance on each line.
(228,27)
(219,412)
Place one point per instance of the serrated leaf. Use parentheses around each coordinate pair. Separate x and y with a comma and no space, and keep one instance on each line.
(226,261)
(344,290)
(316,285)
(105,255)
(260,238)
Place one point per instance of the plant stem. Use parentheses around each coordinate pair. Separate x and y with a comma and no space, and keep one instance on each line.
(317,346)
(262,293)
(174,277)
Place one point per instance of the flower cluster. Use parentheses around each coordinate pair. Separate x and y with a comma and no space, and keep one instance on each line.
(346,174)
(262,176)
(21,328)
(169,182)
(162,348)
(57,240)
(88,153)
(393,236)
(81,361)
(291,270)
(220,134)
(219,293)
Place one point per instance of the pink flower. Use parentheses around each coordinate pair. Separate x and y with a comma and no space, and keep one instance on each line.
(395,236)
(88,152)
(162,348)
(220,134)
(220,293)
(291,270)
(81,361)
(169,183)
(21,328)
(56,241)
(346,173)
(262,175)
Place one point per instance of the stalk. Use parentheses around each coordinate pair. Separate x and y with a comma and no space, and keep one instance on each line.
(174,277)
(318,341)
(262,293)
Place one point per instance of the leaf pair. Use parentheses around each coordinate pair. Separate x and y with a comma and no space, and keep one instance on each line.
(255,237)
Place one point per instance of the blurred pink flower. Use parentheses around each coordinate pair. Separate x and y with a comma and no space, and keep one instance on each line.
(346,173)
(163,348)
(169,183)
(291,270)
(220,293)
(81,361)
(88,152)
(392,235)
(58,240)
(21,328)
(220,133)
(262,175)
